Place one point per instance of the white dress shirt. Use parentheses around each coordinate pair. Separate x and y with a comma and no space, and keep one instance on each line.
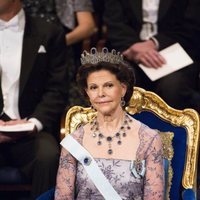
(11,41)
(150,18)
(11,38)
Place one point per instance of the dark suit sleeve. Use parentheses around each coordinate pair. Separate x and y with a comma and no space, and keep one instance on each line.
(181,24)
(189,34)
(121,35)
(54,97)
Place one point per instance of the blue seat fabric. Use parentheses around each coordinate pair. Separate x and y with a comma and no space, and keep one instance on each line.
(188,194)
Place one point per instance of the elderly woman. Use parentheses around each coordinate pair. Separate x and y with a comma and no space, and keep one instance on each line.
(124,155)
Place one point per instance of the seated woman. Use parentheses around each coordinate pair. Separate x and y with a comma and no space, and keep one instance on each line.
(126,152)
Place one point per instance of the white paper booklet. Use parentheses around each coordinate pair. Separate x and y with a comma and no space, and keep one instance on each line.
(176,58)
(17,127)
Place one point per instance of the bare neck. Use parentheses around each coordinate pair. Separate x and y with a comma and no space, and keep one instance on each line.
(11,11)
(110,121)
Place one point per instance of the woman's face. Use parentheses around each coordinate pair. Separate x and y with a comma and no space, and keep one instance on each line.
(105,91)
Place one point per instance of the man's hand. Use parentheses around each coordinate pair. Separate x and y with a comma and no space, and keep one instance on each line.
(145,53)
(4,138)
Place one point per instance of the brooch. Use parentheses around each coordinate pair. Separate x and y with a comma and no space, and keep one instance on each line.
(137,168)
(87,161)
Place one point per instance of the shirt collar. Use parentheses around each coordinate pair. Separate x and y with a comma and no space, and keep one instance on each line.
(17,23)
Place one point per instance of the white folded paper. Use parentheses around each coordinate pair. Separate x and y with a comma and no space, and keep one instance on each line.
(17,127)
(176,58)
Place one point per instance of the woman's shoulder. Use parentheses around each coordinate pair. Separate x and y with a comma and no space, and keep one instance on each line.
(145,132)
(149,139)
(78,134)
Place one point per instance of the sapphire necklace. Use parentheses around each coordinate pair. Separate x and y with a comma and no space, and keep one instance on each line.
(109,139)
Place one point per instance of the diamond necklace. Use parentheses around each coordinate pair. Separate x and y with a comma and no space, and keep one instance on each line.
(118,135)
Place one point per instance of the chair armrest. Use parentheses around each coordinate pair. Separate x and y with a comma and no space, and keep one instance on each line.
(188,194)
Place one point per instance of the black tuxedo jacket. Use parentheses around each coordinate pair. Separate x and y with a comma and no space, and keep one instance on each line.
(42,88)
(178,21)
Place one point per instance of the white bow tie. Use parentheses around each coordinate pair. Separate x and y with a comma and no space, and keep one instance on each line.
(12,25)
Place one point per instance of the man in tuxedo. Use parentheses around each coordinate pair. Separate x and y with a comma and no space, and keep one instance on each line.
(33,85)
(140,29)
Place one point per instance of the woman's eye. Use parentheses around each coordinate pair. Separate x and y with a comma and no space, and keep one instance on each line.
(109,85)
(93,87)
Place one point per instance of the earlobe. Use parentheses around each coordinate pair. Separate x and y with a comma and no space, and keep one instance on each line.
(123,103)
(124,89)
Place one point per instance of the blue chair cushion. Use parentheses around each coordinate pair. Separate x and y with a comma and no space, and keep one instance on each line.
(188,194)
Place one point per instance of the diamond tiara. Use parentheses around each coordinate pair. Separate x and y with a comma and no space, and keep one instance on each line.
(104,55)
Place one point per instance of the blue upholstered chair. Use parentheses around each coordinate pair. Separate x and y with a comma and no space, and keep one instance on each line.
(180,136)
(152,110)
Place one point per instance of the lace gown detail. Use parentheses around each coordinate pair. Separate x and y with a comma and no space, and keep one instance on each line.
(131,181)
(118,173)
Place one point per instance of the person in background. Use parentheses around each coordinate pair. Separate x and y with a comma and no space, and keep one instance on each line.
(127,152)
(140,29)
(75,16)
(33,91)
(77,19)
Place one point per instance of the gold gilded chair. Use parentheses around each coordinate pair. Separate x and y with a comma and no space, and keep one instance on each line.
(179,131)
